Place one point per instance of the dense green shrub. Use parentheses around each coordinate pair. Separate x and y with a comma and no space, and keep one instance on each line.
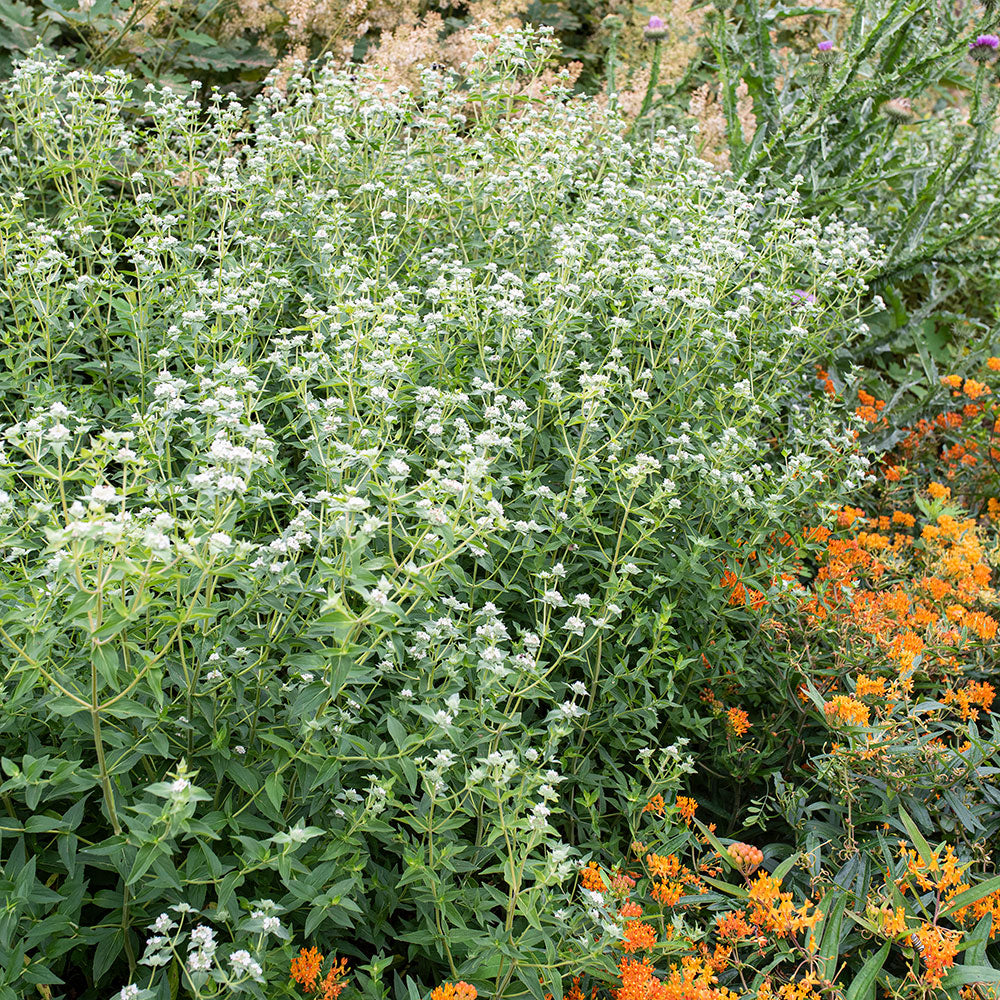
(369,468)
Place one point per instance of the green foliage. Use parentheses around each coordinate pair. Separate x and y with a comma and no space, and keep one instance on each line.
(370,464)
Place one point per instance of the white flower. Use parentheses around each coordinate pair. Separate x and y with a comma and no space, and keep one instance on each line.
(579,688)
(202,937)
(199,961)
(243,964)
(538,819)
(270,925)
(129,992)
(178,787)
(102,494)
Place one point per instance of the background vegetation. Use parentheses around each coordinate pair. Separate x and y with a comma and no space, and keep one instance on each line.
(508,510)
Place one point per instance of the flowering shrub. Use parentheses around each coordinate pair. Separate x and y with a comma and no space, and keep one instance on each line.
(722,927)
(368,466)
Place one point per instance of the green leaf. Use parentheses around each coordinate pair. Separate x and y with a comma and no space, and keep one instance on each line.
(964,975)
(923,848)
(975,954)
(274,788)
(863,985)
(786,866)
(829,947)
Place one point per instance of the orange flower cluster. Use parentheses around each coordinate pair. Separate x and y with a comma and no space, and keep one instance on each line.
(941,872)
(870,408)
(305,971)
(738,721)
(969,387)
(693,979)
(917,604)
(938,948)
(773,911)
(454,991)
(687,807)
(969,916)
(590,878)
(638,936)
(891,921)
(655,805)
(733,926)
(970,698)
(847,711)
(670,879)
(305,968)
(807,988)
(740,595)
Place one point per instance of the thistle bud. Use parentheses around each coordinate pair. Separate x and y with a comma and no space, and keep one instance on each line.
(656,30)
(898,110)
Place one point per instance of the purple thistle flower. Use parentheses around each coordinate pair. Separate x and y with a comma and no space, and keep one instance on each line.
(984,48)
(826,53)
(655,30)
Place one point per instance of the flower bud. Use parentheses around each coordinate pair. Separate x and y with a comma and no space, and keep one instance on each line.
(898,110)
(656,30)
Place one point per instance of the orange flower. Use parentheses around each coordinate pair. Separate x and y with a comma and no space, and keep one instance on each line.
(733,925)
(454,991)
(305,968)
(638,937)
(844,710)
(866,686)
(686,806)
(738,720)
(892,921)
(590,878)
(333,984)
(974,389)
(639,982)
(655,804)
(938,491)
(938,948)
